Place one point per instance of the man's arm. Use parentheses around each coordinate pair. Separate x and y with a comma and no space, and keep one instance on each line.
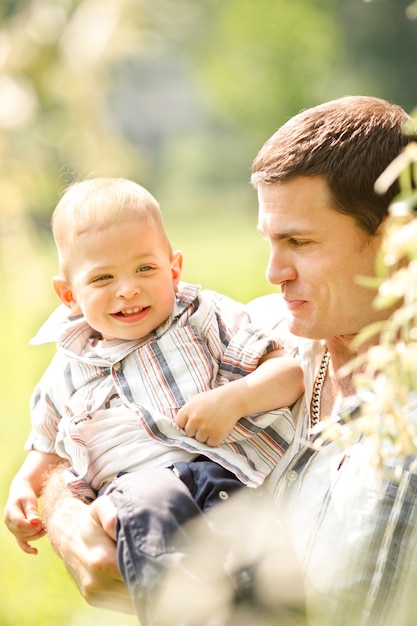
(82,535)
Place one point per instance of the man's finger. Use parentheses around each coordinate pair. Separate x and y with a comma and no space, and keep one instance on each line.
(104,514)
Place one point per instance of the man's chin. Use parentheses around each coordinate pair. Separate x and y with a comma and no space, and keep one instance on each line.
(301,330)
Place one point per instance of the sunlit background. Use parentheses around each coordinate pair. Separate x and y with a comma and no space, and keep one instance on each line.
(178,95)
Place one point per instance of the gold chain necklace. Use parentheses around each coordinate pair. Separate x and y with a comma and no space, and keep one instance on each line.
(318,388)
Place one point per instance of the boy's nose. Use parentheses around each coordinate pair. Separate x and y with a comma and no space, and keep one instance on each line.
(128,290)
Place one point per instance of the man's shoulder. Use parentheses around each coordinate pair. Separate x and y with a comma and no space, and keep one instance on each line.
(267,311)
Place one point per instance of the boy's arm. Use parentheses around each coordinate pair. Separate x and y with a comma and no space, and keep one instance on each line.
(21,514)
(277,382)
(210,416)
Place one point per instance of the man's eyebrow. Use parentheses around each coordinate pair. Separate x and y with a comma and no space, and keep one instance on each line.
(286,234)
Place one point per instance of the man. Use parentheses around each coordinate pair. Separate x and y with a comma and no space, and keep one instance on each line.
(323,219)
(319,210)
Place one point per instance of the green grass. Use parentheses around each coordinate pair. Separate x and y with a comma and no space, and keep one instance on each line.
(227,256)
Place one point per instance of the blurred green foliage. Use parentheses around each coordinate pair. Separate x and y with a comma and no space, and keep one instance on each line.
(178,96)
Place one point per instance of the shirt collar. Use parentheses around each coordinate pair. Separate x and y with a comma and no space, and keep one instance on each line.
(72,331)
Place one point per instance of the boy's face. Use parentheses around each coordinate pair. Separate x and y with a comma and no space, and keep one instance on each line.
(123,279)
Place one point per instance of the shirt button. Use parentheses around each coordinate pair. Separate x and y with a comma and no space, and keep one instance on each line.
(292,476)
(118,366)
(223,495)
(256,491)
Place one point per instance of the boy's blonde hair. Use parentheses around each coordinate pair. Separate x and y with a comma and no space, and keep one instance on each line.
(97,203)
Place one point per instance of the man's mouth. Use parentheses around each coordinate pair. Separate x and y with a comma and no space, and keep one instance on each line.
(293,304)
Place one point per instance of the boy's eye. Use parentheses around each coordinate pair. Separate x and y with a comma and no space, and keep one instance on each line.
(144,268)
(102,278)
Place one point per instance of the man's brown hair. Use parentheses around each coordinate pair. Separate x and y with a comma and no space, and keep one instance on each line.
(349,142)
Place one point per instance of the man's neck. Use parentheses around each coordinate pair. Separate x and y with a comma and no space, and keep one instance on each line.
(345,348)
(337,388)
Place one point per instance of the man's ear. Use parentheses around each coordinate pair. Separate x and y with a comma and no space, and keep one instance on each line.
(176,267)
(65,294)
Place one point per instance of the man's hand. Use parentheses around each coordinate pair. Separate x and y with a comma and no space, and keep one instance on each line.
(91,558)
(83,536)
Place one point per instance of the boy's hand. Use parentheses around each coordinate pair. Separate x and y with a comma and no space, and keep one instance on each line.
(207,417)
(21,516)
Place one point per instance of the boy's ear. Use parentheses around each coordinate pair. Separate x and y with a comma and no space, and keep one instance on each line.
(65,294)
(176,267)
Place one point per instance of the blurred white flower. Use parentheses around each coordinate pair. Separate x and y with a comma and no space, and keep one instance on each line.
(401,240)
(5,46)
(88,33)
(47,19)
(18,102)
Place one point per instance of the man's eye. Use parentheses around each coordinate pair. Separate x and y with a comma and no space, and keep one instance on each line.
(297,242)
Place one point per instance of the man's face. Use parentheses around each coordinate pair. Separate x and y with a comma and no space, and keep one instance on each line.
(316,256)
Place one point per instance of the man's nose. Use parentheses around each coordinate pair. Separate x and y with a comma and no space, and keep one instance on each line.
(280,269)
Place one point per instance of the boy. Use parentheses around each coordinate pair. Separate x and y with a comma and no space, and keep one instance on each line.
(137,386)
